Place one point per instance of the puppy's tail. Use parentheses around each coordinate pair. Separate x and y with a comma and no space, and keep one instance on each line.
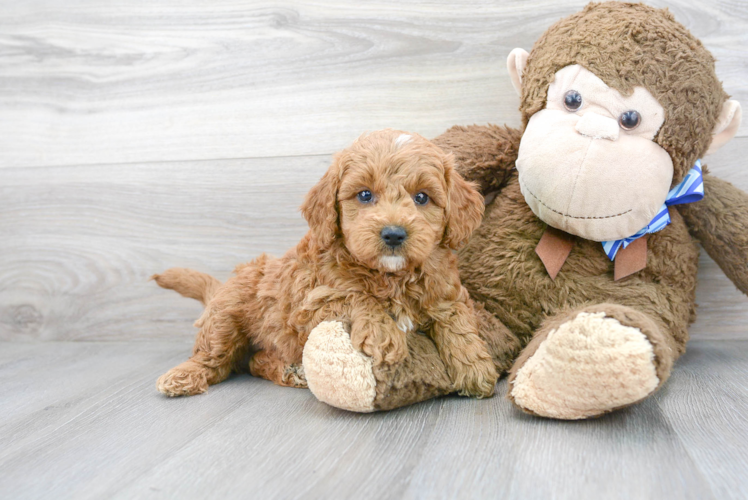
(188,283)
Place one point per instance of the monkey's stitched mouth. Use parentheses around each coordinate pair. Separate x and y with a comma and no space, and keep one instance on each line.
(524,186)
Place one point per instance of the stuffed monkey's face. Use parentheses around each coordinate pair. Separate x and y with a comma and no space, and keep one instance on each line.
(588,164)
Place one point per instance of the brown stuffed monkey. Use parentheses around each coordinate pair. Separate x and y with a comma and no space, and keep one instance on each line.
(584,268)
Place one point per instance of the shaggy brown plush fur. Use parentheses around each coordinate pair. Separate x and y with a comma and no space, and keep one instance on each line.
(661,342)
(626,45)
(719,222)
(500,268)
(343,270)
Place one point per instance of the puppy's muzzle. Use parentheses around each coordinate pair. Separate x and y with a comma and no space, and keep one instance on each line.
(393,236)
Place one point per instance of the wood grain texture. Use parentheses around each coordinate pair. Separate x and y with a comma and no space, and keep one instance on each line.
(92,82)
(83,240)
(705,403)
(83,420)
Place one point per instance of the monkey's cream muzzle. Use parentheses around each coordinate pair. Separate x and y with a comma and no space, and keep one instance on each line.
(580,172)
(596,188)
(597,126)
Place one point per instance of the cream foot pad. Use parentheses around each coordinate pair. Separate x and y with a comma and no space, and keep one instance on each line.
(336,372)
(588,366)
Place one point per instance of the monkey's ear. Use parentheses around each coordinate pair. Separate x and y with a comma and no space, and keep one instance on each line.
(515,63)
(727,125)
(320,207)
(464,210)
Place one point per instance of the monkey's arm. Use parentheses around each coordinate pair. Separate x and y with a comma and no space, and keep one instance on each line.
(483,154)
(720,223)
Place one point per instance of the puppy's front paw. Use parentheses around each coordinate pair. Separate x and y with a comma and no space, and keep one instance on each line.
(187,379)
(382,344)
(476,379)
(294,376)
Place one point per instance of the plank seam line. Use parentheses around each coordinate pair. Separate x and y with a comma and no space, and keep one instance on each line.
(156,162)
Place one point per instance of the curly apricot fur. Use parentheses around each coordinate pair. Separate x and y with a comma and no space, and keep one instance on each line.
(342,270)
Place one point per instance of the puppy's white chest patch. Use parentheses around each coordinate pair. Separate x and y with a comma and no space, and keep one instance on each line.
(405,324)
(392,263)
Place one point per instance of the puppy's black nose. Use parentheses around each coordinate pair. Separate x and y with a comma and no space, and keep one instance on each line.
(393,236)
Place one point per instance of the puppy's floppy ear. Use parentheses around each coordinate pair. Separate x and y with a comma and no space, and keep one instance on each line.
(320,205)
(464,207)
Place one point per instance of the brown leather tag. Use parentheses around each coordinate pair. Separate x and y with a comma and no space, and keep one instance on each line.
(553,249)
(631,259)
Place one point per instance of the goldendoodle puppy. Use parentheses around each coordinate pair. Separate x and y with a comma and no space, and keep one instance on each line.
(378,256)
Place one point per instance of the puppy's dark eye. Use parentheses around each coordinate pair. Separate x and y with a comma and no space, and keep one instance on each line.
(572,100)
(364,196)
(421,198)
(629,120)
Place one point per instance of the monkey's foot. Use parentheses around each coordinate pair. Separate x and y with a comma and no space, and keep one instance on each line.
(341,376)
(589,364)
(336,372)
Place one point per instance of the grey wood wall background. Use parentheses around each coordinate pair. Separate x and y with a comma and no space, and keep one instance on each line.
(139,135)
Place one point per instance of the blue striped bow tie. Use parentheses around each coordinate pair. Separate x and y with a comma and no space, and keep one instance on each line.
(689,190)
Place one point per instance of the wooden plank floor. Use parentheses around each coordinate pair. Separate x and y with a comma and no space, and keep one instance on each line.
(137,136)
(83,420)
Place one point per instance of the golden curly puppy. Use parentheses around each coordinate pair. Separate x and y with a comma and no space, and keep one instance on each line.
(378,256)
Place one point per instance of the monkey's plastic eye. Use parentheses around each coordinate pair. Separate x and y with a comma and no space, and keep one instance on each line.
(573,100)
(629,120)
(421,198)
(364,196)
